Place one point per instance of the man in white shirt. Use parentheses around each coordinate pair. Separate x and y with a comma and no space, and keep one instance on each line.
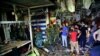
(96,36)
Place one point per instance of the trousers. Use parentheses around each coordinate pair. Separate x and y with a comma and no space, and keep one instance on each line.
(82,41)
(74,45)
(64,40)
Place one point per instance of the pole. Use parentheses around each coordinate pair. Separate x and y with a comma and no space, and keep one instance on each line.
(47,17)
(41,6)
(30,28)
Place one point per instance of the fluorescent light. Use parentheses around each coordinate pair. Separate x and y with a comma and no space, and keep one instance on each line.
(71,5)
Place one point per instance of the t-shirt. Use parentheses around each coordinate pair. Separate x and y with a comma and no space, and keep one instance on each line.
(83,31)
(64,30)
(73,36)
(98,35)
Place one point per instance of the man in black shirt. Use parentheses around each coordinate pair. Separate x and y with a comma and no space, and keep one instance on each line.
(83,36)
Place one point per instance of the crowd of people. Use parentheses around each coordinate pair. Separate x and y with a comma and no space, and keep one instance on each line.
(77,36)
(81,36)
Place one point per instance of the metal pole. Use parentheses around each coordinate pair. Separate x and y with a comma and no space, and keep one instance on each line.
(30,28)
(6,28)
(41,6)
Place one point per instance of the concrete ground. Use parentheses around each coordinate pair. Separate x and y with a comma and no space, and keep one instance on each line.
(60,51)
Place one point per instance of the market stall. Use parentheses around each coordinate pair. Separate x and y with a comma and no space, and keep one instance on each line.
(18,32)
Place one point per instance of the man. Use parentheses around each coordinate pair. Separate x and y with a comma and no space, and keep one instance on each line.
(95,51)
(82,39)
(39,38)
(74,35)
(64,34)
(50,33)
(96,36)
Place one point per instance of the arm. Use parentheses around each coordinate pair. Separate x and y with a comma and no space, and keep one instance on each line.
(87,33)
(69,34)
(60,29)
(79,33)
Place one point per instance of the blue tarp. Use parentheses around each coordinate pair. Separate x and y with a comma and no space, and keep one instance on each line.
(95,51)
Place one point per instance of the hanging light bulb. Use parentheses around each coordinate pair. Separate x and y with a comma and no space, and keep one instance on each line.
(71,5)
(13,13)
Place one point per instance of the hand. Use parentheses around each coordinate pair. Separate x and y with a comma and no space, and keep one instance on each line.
(60,30)
(78,36)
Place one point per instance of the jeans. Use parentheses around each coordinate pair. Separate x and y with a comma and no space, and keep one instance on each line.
(82,41)
(64,40)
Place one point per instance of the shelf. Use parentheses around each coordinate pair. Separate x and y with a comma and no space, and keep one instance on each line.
(8,47)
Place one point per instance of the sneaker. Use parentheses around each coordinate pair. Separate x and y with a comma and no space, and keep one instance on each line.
(82,52)
(67,50)
(77,54)
(71,53)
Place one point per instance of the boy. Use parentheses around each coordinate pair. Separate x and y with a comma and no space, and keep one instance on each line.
(74,34)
